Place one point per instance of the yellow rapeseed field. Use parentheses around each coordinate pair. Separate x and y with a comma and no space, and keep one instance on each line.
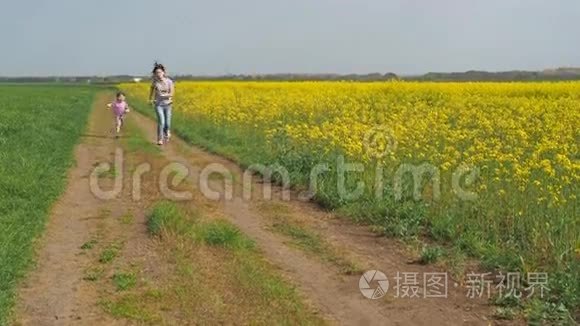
(520,140)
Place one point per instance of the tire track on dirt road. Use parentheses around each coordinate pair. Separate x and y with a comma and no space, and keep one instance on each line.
(54,292)
(70,284)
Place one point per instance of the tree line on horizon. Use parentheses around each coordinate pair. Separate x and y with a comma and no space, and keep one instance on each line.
(559,74)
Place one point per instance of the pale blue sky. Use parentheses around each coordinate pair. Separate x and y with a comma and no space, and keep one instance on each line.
(77,37)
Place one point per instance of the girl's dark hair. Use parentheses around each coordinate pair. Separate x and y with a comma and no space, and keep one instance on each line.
(120,93)
(158,66)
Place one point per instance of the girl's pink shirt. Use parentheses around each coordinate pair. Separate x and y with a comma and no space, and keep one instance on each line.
(119,107)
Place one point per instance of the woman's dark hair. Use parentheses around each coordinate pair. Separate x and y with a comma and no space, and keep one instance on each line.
(158,66)
(120,93)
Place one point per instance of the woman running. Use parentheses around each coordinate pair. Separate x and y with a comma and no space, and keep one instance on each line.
(161,95)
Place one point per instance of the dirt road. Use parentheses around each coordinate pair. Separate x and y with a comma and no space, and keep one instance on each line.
(59,291)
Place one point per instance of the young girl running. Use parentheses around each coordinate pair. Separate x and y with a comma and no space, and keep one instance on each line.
(119,108)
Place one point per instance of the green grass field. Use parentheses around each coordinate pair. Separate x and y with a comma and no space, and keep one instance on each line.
(39,127)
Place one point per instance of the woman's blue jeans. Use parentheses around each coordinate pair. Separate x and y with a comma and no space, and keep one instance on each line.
(163,120)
